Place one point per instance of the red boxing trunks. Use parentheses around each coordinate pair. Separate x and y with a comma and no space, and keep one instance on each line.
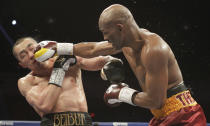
(188,116)
(180,109)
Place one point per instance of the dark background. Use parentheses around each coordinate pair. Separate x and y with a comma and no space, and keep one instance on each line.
(183,24)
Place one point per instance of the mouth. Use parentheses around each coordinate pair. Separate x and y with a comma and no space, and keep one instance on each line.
(114,45)
(34,62)
(110,41)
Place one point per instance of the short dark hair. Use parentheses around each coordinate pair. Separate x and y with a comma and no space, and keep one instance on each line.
(18,41)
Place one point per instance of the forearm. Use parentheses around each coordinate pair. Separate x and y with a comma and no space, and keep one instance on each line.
(93,49)
(103,60)
(142,99)
(48,49)
(123,93)
(95,63)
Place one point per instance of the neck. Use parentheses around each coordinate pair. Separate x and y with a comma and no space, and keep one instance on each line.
(43,69)
(135,41)
(41,73)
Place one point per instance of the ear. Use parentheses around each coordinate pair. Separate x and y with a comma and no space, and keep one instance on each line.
(120,27)
(22,65)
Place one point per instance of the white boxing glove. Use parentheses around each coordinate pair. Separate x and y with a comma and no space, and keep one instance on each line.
(48,49)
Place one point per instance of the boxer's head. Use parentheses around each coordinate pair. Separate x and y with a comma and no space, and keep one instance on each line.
(114,23)
(23,51)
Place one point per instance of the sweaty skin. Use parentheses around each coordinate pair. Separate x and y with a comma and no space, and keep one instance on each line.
(48,98)
(148,55)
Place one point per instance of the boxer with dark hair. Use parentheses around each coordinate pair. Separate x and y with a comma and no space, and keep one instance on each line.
(154,65)
(54,86)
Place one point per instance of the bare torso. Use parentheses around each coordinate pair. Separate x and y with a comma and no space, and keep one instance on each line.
(135,59)
(71,96)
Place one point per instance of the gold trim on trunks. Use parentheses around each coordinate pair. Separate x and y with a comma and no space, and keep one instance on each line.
(69,119)
(175,103)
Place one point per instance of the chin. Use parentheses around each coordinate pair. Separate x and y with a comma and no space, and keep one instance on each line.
(117,47)
(39,64)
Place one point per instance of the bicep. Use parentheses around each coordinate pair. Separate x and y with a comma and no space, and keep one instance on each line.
(24,89)
(31,100)
(157,75)
(157,81)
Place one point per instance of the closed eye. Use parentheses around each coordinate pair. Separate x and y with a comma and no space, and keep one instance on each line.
(22,54)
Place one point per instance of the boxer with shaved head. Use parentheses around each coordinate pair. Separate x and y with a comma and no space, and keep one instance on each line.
(154,65)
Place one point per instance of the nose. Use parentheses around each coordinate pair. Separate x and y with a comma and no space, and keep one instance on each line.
(31,54)
(38,47)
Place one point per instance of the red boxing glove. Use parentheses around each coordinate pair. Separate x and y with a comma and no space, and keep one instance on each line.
(117,93)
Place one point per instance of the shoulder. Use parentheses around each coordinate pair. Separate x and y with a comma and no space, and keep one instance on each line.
(155,53)
(28,78)
(150,36)
(154,45)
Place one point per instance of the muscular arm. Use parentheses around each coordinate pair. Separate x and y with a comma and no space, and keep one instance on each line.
(93,64)
(93,49)
(156,80)
(41,98)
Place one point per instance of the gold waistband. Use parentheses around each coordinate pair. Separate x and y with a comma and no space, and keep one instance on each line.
(175,103)
(68,118)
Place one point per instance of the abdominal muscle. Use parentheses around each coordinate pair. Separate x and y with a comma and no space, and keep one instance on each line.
(72,97)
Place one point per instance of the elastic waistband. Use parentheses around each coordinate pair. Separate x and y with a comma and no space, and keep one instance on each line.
(67,119)
(175,103)
(68,112)
(176,89)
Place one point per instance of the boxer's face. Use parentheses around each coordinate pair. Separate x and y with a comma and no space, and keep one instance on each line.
(25,53)
(113,34)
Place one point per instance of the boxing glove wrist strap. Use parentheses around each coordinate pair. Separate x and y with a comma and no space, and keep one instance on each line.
(65,48)
(126,94)
(57,76)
